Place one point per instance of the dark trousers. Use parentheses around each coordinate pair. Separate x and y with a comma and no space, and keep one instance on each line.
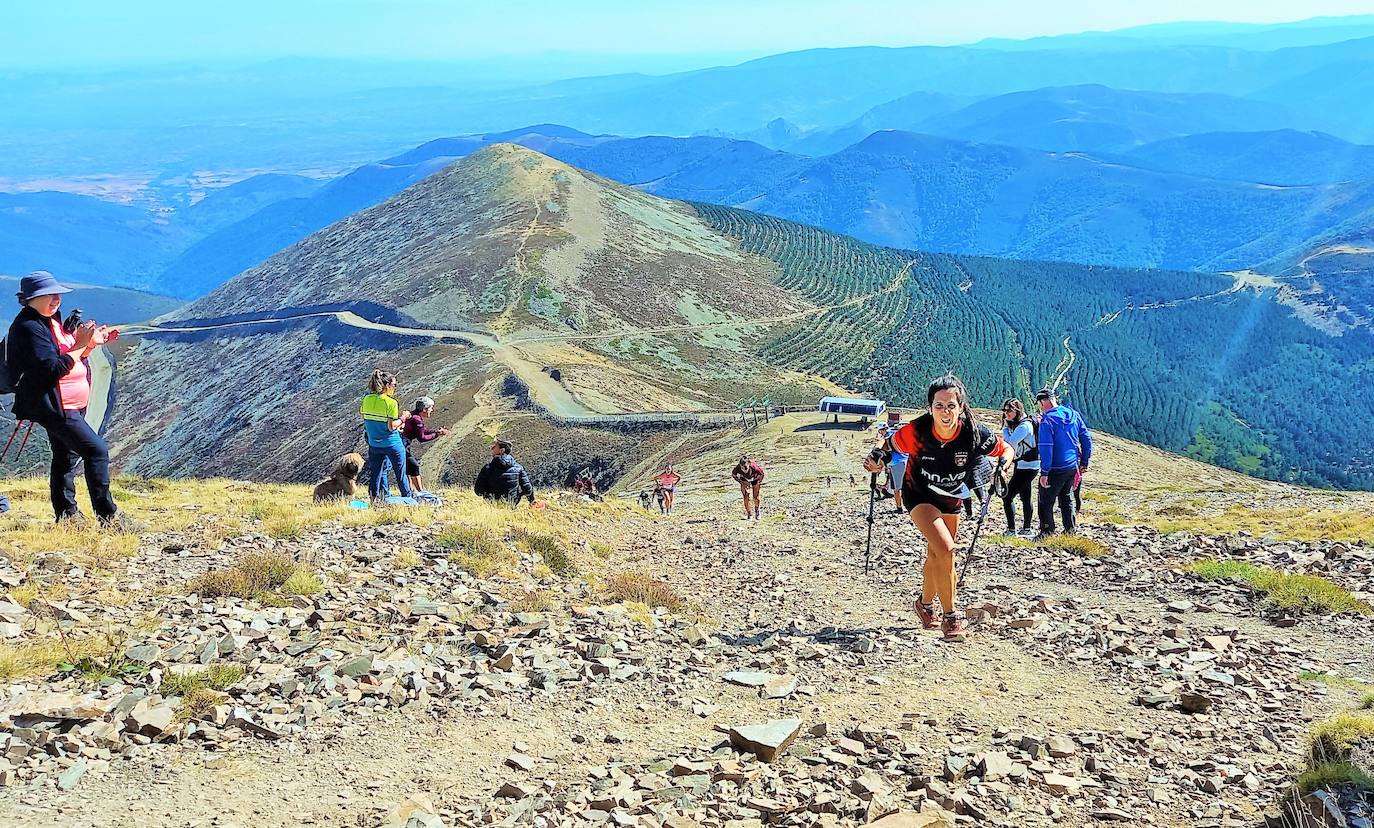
(1022,481)
(74,441)
(1060,489)
(378,458)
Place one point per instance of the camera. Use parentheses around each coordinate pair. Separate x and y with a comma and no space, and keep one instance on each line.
(73,319)
(877,455)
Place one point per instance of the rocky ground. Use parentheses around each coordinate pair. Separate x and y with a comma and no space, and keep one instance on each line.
(789,688)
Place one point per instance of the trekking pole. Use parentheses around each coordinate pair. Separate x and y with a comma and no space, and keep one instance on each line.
(978,527)
(872,500)
(13,434)
(25,441)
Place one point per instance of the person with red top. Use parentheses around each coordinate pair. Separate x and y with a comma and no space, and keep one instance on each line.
(415,430)
(748,473)
(52,386)
(665,488)
(945,447)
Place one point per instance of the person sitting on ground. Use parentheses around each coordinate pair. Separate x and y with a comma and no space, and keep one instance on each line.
(502,478)
(1065,447)
(1018,431)
(748,473)
(342,482)
(584,484)
(415,430)
(52,386)
(666,483)
(382,422)
(943,445)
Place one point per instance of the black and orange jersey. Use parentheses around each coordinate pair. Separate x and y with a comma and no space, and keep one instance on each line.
(944,464)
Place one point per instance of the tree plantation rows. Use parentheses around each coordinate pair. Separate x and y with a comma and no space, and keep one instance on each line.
(1174,359)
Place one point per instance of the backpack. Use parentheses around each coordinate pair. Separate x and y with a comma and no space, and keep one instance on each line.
(1034,452)
(7,382)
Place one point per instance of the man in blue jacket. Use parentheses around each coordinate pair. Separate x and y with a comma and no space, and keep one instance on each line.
(1065,449)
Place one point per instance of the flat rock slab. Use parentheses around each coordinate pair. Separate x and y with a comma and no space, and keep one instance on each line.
(910,819)
(766,741)
(748,678)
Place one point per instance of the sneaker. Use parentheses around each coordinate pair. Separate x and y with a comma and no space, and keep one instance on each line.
(123,524)
(926,612)
(953,627)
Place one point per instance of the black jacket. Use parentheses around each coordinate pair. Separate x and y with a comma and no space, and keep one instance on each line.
(35,364)
(503,479)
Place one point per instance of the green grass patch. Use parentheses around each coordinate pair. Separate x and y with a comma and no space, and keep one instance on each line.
(1300,592)
(267,577)
(1333,738)
(213,677)
(1367,701)
(1327,775)
(1334,680)
(198,703)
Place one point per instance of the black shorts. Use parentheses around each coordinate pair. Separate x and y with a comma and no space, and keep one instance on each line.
(914,495)
(412,466)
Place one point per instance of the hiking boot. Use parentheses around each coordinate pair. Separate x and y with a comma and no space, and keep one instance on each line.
(953,627)
(73,520)
(926,612)
(123,524)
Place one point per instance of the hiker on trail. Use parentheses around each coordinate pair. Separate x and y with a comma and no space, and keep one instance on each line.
(48,368)
(896,469)
(502,478)
(944,446)
(382,422)
(1019,431)
(1065,447)
(748,473)
(665,487)
(646,499)
(415,430)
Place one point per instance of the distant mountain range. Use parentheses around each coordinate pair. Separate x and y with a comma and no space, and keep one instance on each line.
(511,281)
(898,189)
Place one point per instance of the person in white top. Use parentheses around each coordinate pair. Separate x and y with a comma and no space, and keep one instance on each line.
(1018,431)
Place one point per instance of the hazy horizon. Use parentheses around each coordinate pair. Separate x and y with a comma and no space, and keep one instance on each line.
(592,37)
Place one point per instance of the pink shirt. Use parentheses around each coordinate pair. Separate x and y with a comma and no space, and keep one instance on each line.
(75,387)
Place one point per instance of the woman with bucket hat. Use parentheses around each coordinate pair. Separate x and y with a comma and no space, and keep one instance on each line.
(52,385)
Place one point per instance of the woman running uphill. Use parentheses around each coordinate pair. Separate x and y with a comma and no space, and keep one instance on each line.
(945,446)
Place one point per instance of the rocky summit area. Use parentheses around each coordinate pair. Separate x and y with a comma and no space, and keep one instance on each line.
(253,660)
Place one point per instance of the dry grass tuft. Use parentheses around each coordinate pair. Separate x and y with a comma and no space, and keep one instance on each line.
(266,576)
(199,703)
(643,588)
(1299,592)
(535,600)
(551,549)
(477,550)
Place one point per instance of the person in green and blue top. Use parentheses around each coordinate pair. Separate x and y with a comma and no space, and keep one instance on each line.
(382,422)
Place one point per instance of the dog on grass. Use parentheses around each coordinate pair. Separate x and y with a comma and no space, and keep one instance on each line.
(342,482)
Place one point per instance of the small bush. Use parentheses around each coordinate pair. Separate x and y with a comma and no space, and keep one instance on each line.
(640,587)
(1300,592)
(266,570)
(476,551)
(198,703)
(550,549)
(302,582)
(1367,701)
(537,600)
(406,559)
(222,583)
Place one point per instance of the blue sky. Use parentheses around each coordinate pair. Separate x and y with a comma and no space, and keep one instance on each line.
(82,32)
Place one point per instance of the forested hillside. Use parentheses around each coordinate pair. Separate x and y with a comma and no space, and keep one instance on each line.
(1187,361)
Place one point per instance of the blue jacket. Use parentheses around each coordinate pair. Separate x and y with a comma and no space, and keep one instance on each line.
(1064,440)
